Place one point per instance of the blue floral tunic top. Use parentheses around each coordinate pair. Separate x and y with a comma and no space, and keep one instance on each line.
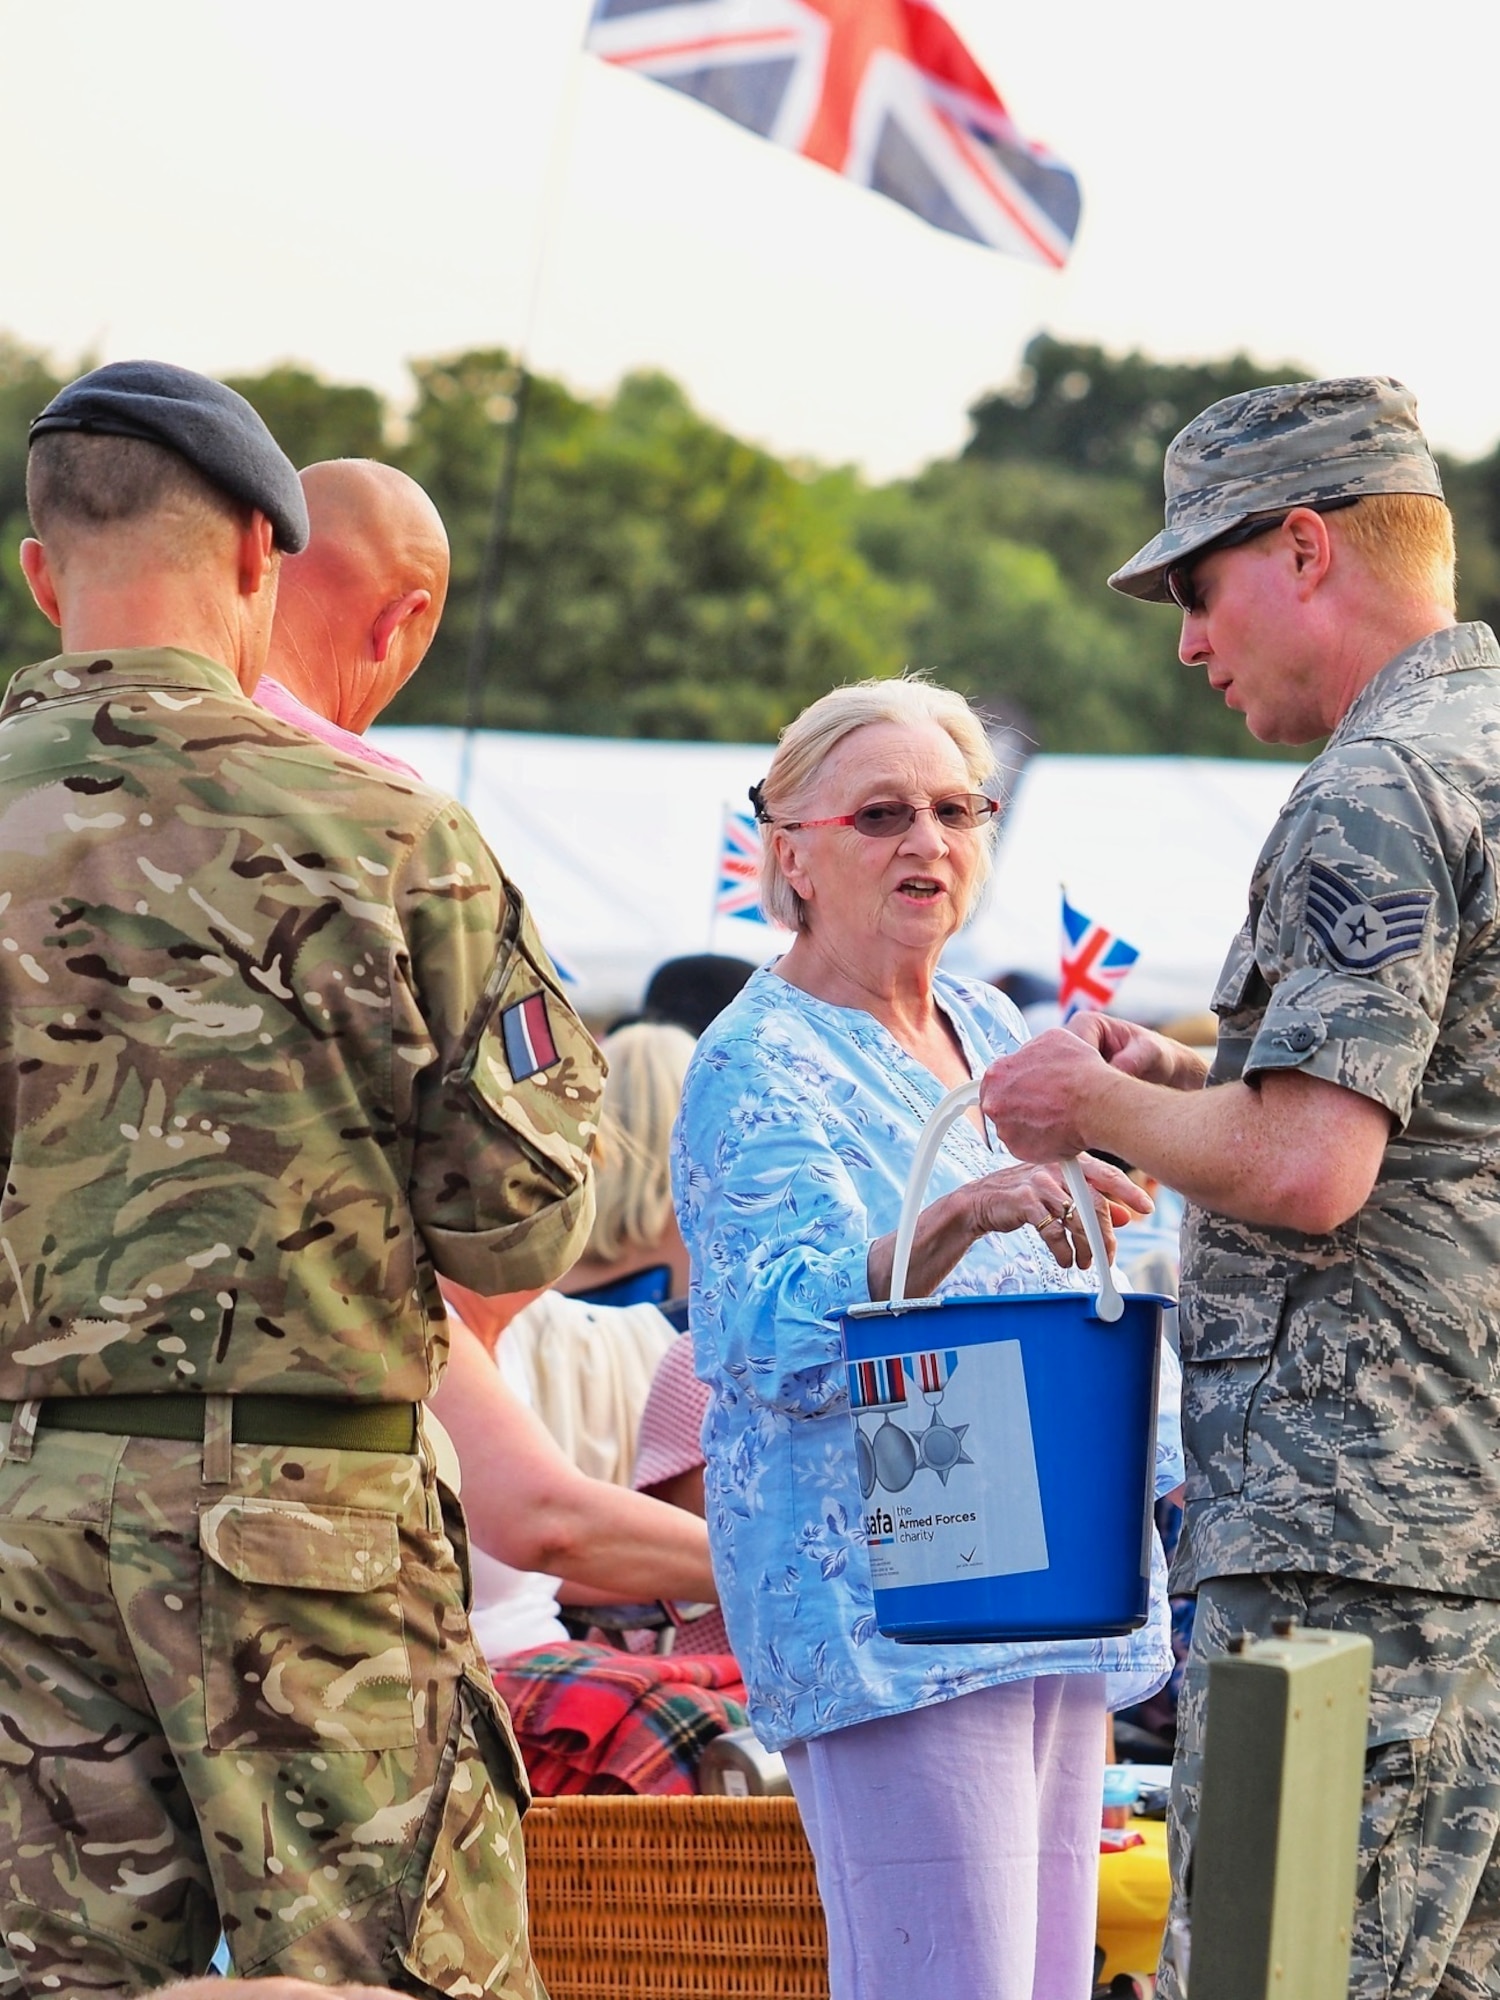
(799,1124)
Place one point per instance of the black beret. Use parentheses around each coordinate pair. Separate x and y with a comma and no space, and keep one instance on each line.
(215,430)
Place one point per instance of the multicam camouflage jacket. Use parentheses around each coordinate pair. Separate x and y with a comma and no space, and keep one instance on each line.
(1341,1398)
(278,1040)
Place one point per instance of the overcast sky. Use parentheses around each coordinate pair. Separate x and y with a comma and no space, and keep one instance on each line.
(349,185)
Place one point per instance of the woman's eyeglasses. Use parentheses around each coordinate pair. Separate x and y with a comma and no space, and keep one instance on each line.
(1178,576)
(883,819)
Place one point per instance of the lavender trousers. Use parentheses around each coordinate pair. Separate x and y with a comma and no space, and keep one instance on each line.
(957,1847)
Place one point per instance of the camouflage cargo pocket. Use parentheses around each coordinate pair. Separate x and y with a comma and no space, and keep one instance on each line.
(529,1059)
(303,1640)
(1392,1827)
(73,1951)
(464,1895)
(1235,1327)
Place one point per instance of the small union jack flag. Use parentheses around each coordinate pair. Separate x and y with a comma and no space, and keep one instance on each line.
(881,91)
(738,892)
(1094,961)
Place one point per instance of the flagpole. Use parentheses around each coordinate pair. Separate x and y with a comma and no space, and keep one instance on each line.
(718,875)
(495,560)
(491,575)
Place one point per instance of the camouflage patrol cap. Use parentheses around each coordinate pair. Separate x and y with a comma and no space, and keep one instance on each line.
(215,430)
(1299,444)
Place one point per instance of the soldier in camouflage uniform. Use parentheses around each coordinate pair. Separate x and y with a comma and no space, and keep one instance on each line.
(281,1045)
(1341,1258)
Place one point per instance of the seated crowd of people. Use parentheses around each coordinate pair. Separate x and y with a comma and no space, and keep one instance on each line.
(609,1650)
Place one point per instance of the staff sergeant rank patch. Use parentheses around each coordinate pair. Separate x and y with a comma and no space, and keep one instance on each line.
(529,1047)
(1360,933)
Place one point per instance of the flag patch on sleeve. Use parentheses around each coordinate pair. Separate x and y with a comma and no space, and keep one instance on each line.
(527,1032)
(1360,933)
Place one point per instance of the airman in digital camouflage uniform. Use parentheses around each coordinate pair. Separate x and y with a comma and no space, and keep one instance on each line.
(280,1045)
(1341,1258)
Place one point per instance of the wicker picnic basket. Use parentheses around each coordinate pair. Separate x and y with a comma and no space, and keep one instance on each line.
(660,1899)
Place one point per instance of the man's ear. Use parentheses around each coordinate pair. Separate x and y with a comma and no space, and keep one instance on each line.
(1311,546)
(257,554)
(384,631)
(38,574)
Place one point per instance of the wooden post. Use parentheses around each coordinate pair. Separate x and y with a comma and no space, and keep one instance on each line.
(1274,1862)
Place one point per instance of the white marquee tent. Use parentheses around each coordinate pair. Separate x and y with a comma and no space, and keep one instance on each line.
(616,845)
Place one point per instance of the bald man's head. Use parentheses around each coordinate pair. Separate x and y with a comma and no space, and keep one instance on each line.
(358,608)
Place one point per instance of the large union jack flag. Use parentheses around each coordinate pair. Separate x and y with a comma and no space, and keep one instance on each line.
(738,891)
(1094,961)
(882,91)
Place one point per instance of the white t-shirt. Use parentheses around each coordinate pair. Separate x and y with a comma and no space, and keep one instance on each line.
(588,1371)
(585,1371)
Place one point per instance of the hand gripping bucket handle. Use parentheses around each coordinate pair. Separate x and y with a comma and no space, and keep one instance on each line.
(1107,1305)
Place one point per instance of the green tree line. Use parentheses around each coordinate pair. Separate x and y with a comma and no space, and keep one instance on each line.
(665,578)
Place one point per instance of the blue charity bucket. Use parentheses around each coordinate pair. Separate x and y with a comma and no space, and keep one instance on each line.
(1006,1448)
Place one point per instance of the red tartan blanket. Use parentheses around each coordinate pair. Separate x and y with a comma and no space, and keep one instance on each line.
(591,1719)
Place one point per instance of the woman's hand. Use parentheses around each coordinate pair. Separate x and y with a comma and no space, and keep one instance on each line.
(1038,1195)
(1006,1200)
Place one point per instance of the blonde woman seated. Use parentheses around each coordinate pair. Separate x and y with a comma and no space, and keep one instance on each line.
(584,1353)
(544,1393)
(635,1235)
(536,1523)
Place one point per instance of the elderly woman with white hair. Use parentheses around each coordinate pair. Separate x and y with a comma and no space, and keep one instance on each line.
(951,1793)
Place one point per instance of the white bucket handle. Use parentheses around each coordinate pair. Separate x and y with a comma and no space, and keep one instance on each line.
(1108,1305)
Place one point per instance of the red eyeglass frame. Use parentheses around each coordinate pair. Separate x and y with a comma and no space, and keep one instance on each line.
(972,800)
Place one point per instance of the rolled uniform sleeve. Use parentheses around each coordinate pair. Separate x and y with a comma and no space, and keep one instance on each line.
(1344,968)
(507,1080)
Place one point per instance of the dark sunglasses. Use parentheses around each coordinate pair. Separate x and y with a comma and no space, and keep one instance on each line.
(1178,576)
(883,819)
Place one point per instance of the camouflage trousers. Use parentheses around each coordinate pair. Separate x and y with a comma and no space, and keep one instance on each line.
(249,1700)
(1427,1915)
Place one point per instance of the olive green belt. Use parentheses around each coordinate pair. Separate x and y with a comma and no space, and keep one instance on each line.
(294,1420)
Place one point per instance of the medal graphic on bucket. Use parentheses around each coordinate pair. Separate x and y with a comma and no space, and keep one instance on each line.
(890,1456)
(941,1446)
(1040,1437)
